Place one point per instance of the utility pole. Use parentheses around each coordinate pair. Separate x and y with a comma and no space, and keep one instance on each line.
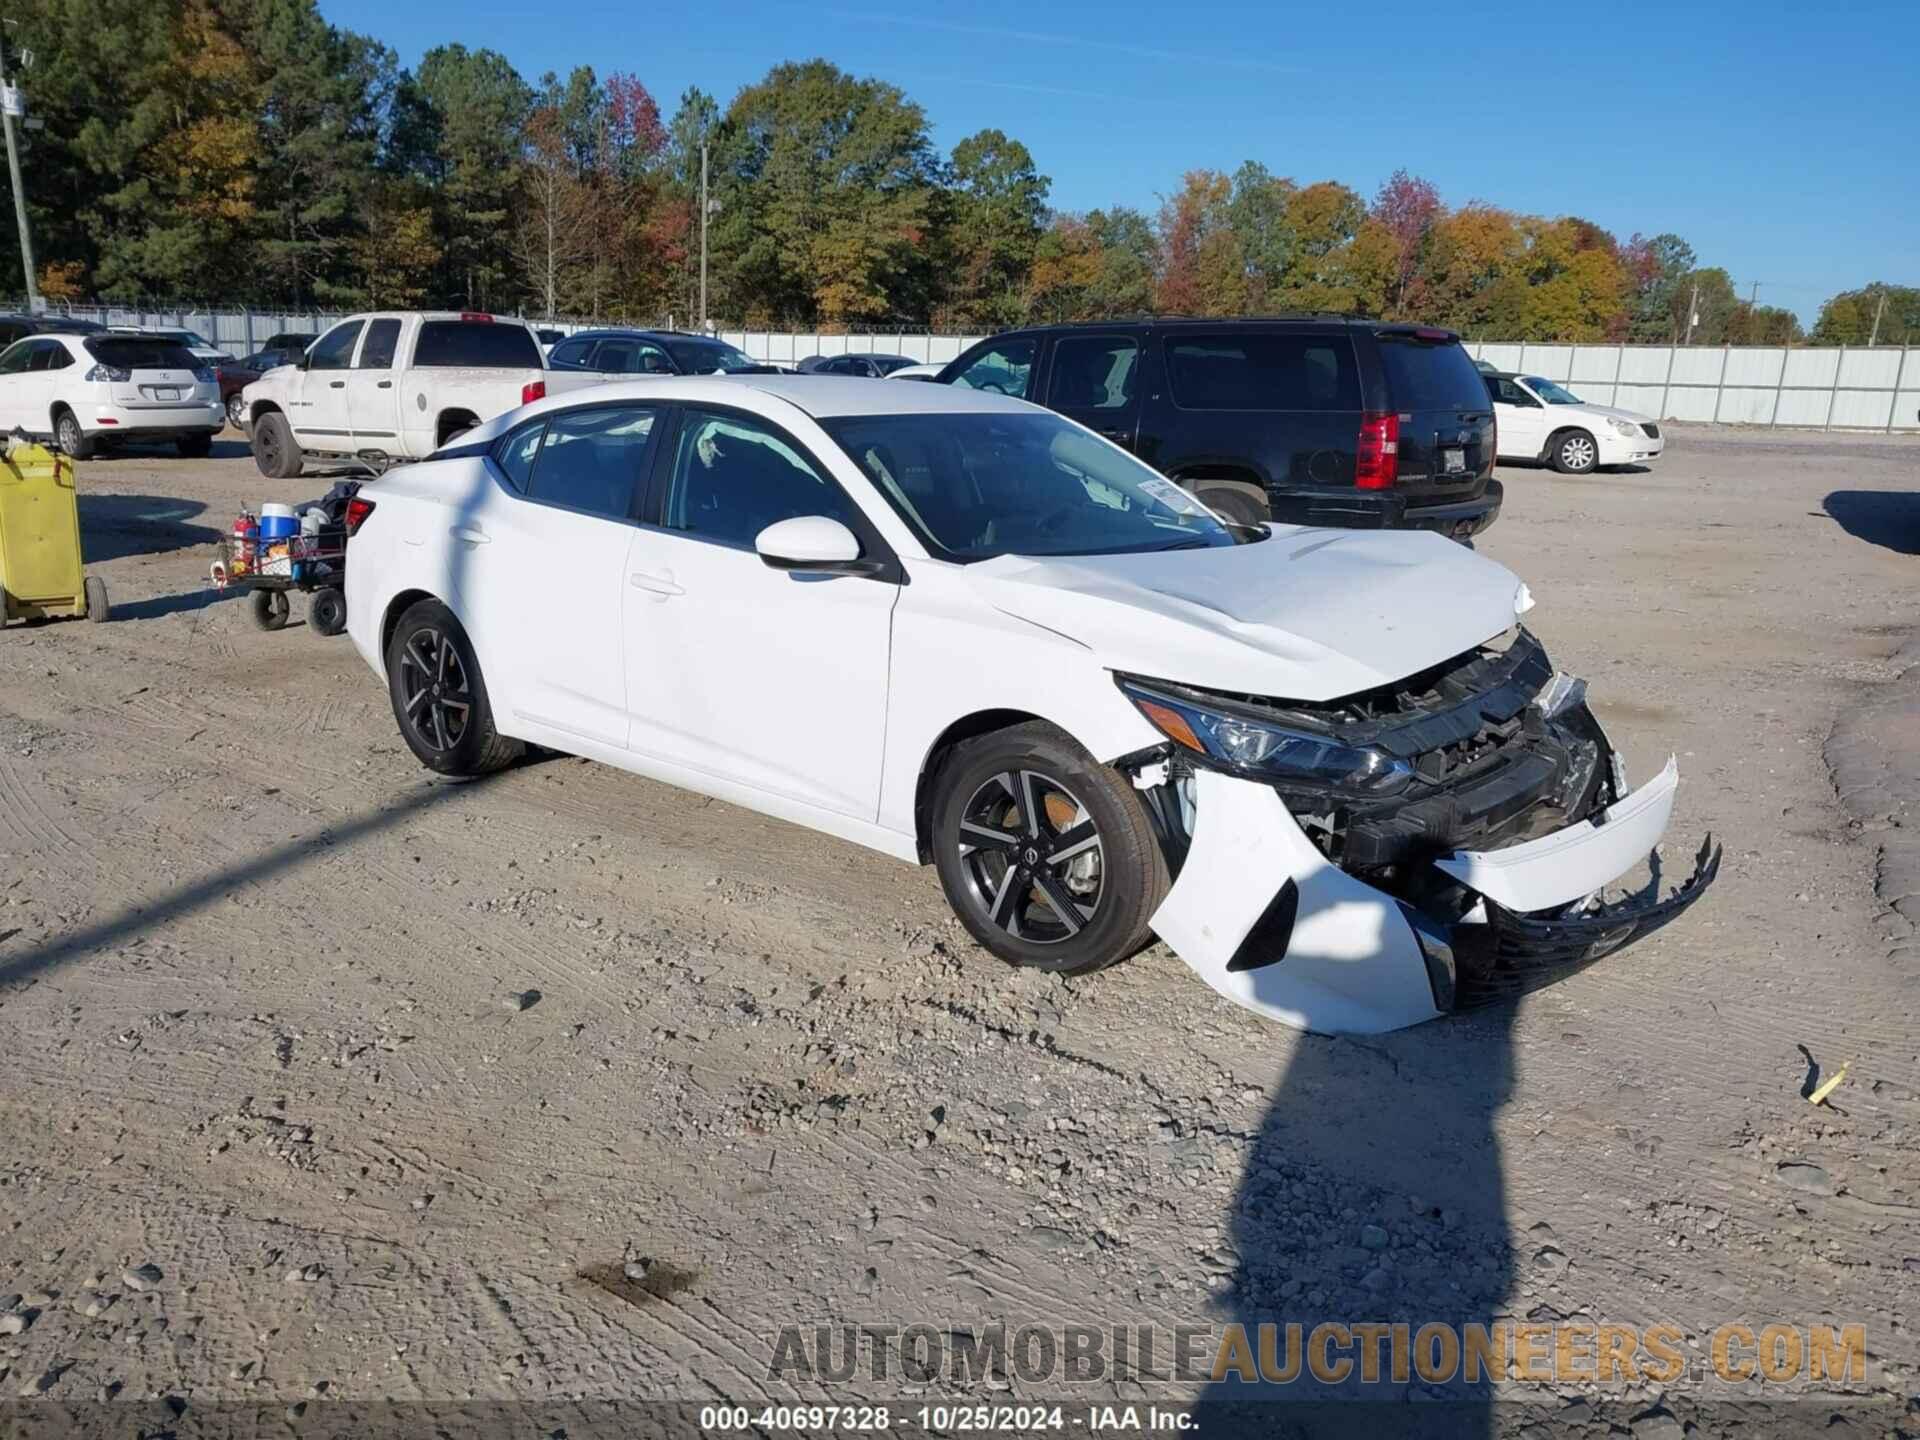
(1878,311)
(19,193)
(703,235)
(1693,312)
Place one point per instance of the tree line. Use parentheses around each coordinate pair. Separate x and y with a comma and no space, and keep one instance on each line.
(249,151)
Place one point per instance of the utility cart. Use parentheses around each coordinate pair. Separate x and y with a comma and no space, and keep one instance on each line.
(314,563)
(41,573)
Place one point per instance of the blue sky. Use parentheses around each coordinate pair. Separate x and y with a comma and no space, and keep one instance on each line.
(1782,142)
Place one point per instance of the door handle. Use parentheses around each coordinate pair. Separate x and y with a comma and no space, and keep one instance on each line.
(384,385)
(470,534)
(336,384)
(660,586)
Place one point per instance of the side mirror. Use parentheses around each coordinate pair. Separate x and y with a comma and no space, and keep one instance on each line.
(813,545)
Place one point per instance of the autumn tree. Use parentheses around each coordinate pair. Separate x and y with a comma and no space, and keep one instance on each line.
(1847,319)
(1406,208)
(1202,270)
(994,206)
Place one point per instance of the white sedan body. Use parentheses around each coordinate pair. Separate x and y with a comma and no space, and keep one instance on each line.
(606,626)
(1532,412)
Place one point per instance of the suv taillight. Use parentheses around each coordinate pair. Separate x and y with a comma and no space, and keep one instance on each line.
(357,512)
(1376,455)
(107,372)
(532,391)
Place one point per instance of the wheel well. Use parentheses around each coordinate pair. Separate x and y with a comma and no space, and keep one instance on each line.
(395,609)
(1565,430)
(968,727)
(262,407)
(449,420)
(60,407)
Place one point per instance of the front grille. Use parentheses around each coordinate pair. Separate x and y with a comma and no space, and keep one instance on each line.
(1653,430)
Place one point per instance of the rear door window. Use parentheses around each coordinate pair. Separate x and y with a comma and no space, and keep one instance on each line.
(591,460)
(1095,372)
(1277,371)
(383,339)
(573,352)
(476,344)
(17,359)
(1425,375)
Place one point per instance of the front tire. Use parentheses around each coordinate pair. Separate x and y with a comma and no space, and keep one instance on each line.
(1575,453)
(439,697)
(98,611)
(1045,854)
(68,435)
(275,452)
(1235,505)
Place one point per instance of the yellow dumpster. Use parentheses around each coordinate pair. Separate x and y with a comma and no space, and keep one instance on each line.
(40,571)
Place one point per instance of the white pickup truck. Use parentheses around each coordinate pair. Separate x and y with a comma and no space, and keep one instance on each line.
(393,386)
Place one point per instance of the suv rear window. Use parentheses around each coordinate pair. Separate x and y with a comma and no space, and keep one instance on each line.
(477,343)
(136,352)
(1276,371)
(1423,375)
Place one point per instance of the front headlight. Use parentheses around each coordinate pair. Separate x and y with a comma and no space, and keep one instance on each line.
(1625,427)
(1249,746)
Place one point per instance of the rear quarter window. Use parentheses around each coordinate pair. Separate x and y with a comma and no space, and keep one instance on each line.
(1422,375)
(477,344)
(1230,371)
(134,352)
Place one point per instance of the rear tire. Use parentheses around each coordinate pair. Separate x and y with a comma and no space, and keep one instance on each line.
(237,412)
(270,609)
(98,611)
(1071,887)
(439,696)
(68,435)
(1575,453)
(327,610)
(194,447)
(275,452)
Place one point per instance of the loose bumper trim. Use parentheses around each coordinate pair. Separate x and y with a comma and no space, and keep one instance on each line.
(1516,953)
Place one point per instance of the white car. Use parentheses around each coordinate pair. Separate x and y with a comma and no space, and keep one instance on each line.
(916,372)
(89,391)
(1326,766)
(1539,420)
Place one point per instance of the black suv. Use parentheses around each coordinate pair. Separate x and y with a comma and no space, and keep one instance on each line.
(17,327)
(1310,420)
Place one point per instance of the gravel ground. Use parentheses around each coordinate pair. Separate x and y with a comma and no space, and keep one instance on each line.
(326,1083)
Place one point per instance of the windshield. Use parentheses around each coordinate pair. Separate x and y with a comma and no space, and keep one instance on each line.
(1550,392)
(975,486)
(707,357)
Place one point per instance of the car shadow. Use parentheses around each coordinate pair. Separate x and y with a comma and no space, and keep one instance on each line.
(1374,1194)
(1890,518)
(115,526)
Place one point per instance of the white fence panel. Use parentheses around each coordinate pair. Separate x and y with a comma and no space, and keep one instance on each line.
(1746,406)
(1862,409)
(1754,367)
(1644,365)
(1803,407)
(1816,368)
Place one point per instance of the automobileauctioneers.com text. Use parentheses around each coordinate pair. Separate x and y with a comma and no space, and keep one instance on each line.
(1363,1353)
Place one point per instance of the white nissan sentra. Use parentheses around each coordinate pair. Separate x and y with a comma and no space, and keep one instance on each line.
(1329,768)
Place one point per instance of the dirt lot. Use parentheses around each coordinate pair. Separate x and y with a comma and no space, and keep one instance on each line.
(390,1078)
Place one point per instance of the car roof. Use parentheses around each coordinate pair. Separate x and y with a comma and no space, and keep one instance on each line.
(821,397)
(620,332)
(1321,319)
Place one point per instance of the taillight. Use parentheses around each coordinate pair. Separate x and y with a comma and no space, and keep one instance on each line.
(107,372)
(536,390)
(357,512)
(1376,455)
(475,317)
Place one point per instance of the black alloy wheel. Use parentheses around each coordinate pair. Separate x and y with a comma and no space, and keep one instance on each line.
(435,693)
(1032,857)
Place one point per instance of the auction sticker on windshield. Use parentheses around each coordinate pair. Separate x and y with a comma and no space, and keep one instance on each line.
(1173,497)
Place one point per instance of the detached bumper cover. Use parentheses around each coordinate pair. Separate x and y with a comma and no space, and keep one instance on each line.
(1264,918)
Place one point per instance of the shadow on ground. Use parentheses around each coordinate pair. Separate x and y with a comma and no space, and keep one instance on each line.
(1373,1195)
(1890,518)
(114,526)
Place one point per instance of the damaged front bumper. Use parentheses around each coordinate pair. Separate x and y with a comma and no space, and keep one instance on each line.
(1269,918)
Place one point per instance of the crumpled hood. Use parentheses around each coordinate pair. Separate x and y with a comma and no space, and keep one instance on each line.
(1308,614)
